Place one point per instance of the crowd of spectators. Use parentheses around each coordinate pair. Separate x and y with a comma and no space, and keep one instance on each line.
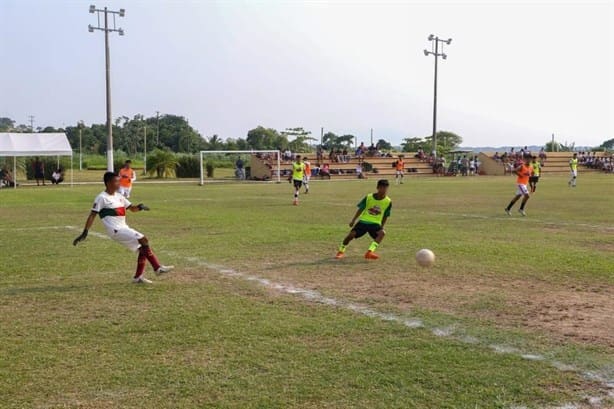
(591,160)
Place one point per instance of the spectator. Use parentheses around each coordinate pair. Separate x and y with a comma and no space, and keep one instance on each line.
(359,173)
(325,171)
(6,179)
(288,155)
(39,171)
(57,177)
(320,155)
(497,157)
(240,172)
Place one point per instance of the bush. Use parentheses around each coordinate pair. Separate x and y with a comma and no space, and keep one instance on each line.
(188,166)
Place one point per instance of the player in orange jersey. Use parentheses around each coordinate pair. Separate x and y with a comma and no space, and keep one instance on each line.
(523,171)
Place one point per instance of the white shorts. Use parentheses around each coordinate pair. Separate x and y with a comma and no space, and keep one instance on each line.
(125,191)
(127,237)
(574,173)
(306,178)
(400,173)
(522,190)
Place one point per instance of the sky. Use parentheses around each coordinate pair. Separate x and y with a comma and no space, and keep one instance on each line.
(516,72)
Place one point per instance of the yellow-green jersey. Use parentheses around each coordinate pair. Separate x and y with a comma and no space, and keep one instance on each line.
(537,168)
(298,171)
(573,163)
(374,210)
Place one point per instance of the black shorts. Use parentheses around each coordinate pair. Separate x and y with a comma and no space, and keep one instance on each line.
(534,179)
(363,228)
(297,183)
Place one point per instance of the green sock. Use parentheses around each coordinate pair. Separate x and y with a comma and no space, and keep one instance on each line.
(342,248)
(374,245)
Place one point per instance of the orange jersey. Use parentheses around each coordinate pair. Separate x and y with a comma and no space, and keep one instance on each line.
(307,168)
(400,165)
(125,177)
(523,174)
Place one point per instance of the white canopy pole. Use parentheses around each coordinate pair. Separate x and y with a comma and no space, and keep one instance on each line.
(71,171)
(14,172)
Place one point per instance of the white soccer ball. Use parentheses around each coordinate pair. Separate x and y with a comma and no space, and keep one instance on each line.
(425,258)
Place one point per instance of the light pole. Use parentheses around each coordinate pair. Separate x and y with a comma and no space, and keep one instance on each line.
(80,145)
(435,41)
(157,128)
(145,148)
(105,12)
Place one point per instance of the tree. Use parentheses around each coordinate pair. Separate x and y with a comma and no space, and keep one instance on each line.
(162,163)
(384,144)
(6,124)
(262,138)
(300,139)
(412,144)
(609,144)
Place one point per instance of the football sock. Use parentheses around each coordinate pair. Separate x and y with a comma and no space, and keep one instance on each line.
(342,248)
(150,256)
(140,264)
(374,245)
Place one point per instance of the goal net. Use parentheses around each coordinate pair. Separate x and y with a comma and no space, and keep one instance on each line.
(262,165)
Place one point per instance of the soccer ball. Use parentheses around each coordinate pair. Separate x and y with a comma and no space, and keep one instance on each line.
(425,258)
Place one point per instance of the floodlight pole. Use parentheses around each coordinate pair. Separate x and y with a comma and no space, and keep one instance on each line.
(107,30)
(435,52)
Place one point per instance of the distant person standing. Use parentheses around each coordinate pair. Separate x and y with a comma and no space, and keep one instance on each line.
(399,170)
(39,171)
(307,175)
(535,173)
(573,166)
(127,175)
(240,169)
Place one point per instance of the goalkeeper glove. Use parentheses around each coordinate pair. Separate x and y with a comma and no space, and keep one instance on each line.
(81,237)
(141,206)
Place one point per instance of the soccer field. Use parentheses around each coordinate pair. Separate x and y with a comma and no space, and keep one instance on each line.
(518,312)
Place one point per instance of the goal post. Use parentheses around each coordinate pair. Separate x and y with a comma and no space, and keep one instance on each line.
(276,171)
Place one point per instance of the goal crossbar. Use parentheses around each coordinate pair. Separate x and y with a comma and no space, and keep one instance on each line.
(251,152)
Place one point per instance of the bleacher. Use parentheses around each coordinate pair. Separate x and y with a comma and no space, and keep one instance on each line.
(555,163)
(378,166)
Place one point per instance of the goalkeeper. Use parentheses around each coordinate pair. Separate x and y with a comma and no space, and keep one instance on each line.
(111,206)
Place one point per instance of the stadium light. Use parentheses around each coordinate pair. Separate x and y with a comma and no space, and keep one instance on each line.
(105,13)
(436,53)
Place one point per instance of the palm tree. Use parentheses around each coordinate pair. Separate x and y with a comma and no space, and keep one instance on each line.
(163,163)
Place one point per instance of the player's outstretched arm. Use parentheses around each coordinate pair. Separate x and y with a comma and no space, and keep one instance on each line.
(88,226)
(139,207)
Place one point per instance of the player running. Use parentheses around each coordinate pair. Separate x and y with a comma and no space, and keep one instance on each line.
(372,214)
(298,171)
(400,170)
(111,207)
(537,167)
(127,175)
(523,171)
(307,174)
(573,166)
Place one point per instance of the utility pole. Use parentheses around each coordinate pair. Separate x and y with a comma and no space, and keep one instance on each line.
(80,145)
(321,136)
(371,136)
(105,12)
(31,119)
(145,148)
(157,128)
(435,41)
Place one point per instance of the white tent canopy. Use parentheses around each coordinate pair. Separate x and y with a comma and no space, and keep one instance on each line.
(34,144)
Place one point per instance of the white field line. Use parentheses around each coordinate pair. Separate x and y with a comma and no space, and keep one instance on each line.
(409,322)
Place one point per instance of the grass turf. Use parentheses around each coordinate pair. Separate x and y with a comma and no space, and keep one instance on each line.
(75,333)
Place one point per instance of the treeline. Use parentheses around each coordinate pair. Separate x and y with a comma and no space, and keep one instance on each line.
(174,133)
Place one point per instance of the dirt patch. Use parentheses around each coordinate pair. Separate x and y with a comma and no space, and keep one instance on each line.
(580,313)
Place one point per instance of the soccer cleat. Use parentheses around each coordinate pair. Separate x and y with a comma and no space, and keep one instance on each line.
(340,255)
(141,280)
(507,211)
(370,255)
(295,202)
(164,269)
(522,212)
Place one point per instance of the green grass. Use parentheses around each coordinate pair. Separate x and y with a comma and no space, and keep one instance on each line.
(76,333)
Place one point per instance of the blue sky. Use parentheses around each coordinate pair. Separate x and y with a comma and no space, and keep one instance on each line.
(516,71)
